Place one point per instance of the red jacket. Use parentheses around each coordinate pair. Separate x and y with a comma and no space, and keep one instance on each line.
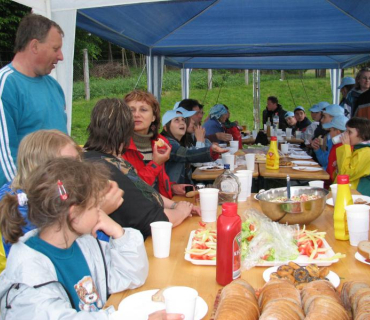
(332,162)
(150,172)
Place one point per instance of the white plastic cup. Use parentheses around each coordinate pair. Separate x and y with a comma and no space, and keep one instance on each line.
(279,132)
(285,148)
(249,175)
(244,186)
(254,134)
(181,300)
(234,144)
(250,160)
(208,204)
(288,132)
(161,238)
(316,183)
(334,189)
(229,159)
(298,134)
(358,223)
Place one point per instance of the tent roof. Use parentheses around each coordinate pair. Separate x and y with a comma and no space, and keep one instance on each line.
(259,34)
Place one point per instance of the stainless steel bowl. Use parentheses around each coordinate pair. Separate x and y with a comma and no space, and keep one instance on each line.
(293,212)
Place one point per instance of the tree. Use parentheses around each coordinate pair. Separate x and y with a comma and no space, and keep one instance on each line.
(11,14)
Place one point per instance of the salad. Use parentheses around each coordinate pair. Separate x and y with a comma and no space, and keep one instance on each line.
(203,245)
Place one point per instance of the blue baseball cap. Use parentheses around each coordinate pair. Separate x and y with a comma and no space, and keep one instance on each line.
(179,112)
(346,81)
(334,110)
(289,114)
(319,107)
(299,108)
(338,122)
(314,108)
(176,105)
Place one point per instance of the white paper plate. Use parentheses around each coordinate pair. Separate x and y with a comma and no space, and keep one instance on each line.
(202,164)
(332,276)
(140,305)
(211,168)
(307,168)
(305,163)
(361,258)
(300,157)
(354,197)
(323,260)
(298,152)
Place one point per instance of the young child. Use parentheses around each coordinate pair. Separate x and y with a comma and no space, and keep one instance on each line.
(356,163)
(174,129)
(336,126)
(302,121)
(59,270)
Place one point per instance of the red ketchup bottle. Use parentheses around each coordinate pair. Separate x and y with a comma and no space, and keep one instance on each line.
(229,226)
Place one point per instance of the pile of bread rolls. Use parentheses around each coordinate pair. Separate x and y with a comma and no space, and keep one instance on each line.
(356,297)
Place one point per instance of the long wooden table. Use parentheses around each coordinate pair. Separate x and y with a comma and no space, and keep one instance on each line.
(201,175)
(175,270)
(250,140)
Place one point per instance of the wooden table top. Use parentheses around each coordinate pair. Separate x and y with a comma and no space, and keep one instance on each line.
(250,140)
(175,270)
(282,172)
(201,175)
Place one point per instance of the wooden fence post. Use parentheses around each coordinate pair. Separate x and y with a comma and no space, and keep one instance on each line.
(246,76)
(86,75)
(209,79)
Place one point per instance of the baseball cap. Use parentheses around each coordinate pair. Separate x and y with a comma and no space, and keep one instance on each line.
(319,107)
(179,112)
(176,105)
(346,81)
(334,110)
(314,108)
(289,114)
(338,122)
(299,108)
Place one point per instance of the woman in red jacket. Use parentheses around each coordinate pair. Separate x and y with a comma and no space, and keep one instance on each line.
(143,152)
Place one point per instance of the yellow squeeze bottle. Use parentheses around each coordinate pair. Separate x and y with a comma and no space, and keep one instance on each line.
(344,198)
(272,156)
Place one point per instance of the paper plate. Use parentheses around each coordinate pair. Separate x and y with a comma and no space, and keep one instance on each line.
(211,168)
(332,276)
(354,198)
(361,258)
(307,168)
(140,305)
(305,163)
(300,157)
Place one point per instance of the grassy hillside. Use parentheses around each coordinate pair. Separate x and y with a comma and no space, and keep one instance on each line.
(228,88)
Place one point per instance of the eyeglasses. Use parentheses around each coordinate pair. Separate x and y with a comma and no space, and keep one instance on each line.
(365,78)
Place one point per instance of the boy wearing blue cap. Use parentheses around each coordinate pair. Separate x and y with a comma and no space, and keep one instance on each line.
(310,130)
(345,87)
(356,163)
(336,127)
(291,121)
(302,121)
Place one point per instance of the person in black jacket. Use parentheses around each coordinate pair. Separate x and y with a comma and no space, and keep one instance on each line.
(302,121)
(272,108)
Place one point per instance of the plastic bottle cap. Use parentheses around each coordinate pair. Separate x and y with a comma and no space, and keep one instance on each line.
(342,179)
(229,209)
(273,138)
(226,166)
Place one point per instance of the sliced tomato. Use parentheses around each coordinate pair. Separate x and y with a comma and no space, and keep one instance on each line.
(302,249)
(309,250)
(202,224)
(320,243)
(250,238)
(252,227)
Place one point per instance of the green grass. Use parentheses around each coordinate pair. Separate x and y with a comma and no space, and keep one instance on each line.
(228,88)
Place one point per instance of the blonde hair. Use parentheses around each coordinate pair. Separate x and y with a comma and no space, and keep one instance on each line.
(37,148)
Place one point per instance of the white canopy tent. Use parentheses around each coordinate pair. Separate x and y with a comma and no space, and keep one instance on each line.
(170,38)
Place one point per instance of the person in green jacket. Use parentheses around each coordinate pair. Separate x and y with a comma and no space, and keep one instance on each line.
(356,163)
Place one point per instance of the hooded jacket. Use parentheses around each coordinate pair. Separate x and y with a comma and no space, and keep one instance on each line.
(356,165)
(29,287)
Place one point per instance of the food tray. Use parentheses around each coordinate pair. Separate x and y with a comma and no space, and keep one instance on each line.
(303,260)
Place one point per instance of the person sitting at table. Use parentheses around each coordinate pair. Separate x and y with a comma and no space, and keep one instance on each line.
(336,126)
(346,85)
(59,270)
(291,121)
(215,130)
(302,121)
(323,145)
(320,131)
(362,85)
(272,108)
(192,105)
(310,130)
(356,163)
(142,152)
(178,167)
(110,130)
(37,148)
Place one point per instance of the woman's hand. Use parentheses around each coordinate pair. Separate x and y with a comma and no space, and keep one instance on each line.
(162,315)
(345,138)
(218,149)
(179,189)
(108,226)
(162,155)
(185,207)
(224,136)
(113,198)
(200,133)
(196,210)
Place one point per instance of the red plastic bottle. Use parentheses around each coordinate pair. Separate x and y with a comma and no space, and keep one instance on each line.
(229,226)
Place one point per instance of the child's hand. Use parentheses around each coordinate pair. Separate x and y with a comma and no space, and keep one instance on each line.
(345,138)
(108,226)
(113,198)
(218,149)
(315,144)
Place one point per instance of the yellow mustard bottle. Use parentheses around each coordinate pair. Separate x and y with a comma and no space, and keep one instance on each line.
(272,156)
(344,198)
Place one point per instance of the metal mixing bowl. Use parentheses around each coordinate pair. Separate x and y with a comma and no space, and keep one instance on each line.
(293,212)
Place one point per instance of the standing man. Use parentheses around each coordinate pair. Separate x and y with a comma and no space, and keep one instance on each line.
(30,99)
(272,108)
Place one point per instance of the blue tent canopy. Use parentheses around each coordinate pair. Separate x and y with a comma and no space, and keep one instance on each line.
(243,34)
